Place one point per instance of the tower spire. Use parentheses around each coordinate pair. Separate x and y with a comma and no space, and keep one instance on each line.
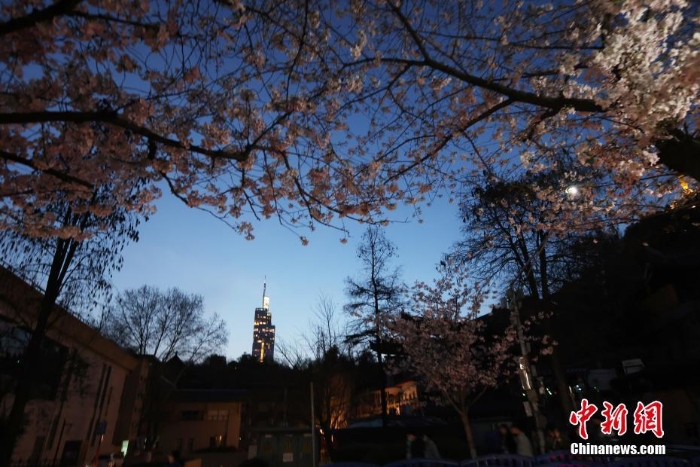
(264,330)
(264,289)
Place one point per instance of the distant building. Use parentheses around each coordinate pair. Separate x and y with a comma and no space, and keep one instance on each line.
(201,420)
(263,331)
(402,399)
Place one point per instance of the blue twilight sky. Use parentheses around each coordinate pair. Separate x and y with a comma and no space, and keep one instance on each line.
(190,249)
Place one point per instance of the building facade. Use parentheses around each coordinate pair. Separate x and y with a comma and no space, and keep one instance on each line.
(263,331)
(202,420)
(74,414)
(402,399)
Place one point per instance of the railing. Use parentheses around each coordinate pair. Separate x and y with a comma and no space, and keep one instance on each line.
(565,457)
(551,459)
(352,464)
(650,461)
(35,463)
(423,463)
(499,460)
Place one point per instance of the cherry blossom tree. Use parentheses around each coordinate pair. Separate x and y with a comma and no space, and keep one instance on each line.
(515,236)
(463,88)
(517,84)
(315,113)
(452,349)
(176,94)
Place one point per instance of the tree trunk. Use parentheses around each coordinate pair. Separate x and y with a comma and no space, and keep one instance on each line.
(30,365)
(559,373)
(324,412)
(557,368)
(464,416)
(328,437)
(562,385)
(63,256)
(567,405)
(31,360)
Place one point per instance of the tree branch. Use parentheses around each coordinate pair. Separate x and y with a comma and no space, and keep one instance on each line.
(113,118)
(113,19)
(556,103)
(53,172)
(38,16)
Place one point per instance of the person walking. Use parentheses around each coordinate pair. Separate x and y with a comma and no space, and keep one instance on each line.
(554,439)
(415,446)
(508,445)
(431,450)
(174,459)
(523,447)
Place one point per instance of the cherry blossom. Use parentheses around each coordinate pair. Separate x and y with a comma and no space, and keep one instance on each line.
(239,107)
(456,354)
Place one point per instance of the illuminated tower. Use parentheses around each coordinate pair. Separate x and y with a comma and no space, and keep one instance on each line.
(263,331)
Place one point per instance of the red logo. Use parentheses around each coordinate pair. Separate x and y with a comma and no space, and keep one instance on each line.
(582,416)
(615,419)
(647,418)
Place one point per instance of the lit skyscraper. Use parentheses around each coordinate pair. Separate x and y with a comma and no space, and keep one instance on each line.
(263,331)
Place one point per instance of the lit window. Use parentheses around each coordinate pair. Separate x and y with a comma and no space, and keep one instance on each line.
(217,415)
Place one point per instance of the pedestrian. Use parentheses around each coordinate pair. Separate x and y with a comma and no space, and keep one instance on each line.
(431,450)
(174,459)
(508,444)
(415,446)
(554,439)
(523,447)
